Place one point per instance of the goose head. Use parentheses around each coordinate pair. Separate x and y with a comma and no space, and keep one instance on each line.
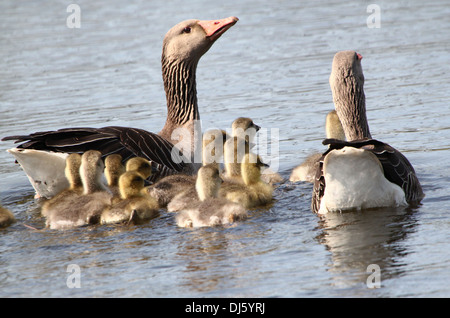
(251,168)
(190,39)
(91,171)
(113,169)
(141,166)
(131,184)
(208,182)
(347,86)
(245,128)
(72,170)
(348,64)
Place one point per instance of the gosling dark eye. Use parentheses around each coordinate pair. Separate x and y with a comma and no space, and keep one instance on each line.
(187,30)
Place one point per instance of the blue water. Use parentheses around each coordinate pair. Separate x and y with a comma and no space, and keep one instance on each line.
(272,66)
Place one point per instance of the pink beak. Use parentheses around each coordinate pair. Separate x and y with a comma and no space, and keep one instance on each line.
(215,28)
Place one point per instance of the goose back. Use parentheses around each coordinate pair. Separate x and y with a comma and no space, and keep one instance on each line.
(396,167)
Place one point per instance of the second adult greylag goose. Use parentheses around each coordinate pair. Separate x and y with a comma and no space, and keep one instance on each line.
(307,170)
(209,210)
(360,172)
(42,154)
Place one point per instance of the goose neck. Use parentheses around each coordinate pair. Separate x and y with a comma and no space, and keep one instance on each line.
(181,92)
(350,104)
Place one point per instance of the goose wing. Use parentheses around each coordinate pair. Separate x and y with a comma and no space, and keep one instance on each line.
(128,142)
(397,169)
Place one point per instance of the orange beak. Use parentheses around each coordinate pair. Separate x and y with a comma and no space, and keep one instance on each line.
(215,28)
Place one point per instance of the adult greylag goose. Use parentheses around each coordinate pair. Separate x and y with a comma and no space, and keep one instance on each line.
(87,207)
(42,154)
(6,217)
(360,172)
(209,210)
(133,205)
(307,170)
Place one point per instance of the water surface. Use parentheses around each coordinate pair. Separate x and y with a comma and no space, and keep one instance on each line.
(273,66)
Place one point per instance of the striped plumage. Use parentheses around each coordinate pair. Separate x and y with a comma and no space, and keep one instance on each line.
(127,142)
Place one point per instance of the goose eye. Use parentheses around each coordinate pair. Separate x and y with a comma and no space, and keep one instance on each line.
(187,29)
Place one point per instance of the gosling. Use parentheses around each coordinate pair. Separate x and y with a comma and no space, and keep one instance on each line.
(253,191)
(141,166)
(169,187)
(209,210)
(6,217)
(134,206)
(113,170)
(85,208)
(240,143)
(75,189)
(307,170)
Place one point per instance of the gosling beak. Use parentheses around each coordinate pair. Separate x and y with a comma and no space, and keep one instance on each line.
(262,164)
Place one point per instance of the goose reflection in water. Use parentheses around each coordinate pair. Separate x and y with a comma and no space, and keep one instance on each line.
(357,239)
